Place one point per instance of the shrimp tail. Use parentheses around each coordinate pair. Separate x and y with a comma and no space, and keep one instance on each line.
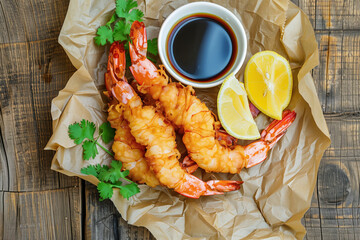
(256,152)
(141,68)
(224,186)
(115,81)
(116,66)
(189,165)
(193,187)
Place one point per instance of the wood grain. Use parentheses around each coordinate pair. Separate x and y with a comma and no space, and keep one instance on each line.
(36,203)
(54,214)
(32,73)
(25,100)
(28,21)
(332,14)
(338,77)
(103,221)
(335,204)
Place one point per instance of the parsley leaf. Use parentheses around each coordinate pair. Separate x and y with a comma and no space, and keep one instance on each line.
(113,174)
(119,25)
(125,5)
(91,170)
(112,19)
(152,50)
(121,31)
(85,130)
(90,150)
(123,10)
(127,54)
(110,178)
(121,20)
(135,15)
(105,190)
(104,34)
(129,190)
(79,131)
(107,132)
(153,46)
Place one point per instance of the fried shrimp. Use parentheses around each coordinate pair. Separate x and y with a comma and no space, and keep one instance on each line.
(128,151)
(193,118)
(151,130)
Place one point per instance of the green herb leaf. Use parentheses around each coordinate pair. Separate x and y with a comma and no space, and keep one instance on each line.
(79,131)
(116,165)
(104,34)
(152,50)
(91,170)
(123,7)
(105,190)
(121,31)
(135,15)
(107,132)
(110,178)
(127,54)
(114,173)
(112,19)
(90,149)
(153,46)
(129,190)
(118,27)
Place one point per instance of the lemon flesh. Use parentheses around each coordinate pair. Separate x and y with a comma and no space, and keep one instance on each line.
(268,83)
(234,112)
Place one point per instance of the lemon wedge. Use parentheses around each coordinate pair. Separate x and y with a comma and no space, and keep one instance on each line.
(268,83)
(234,111)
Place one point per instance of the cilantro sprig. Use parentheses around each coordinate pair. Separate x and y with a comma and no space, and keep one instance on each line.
(85,130)
(119,25)
(110,178)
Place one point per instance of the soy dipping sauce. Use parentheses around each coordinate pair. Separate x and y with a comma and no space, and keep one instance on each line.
(202,47)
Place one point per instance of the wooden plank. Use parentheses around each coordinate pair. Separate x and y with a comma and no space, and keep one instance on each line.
(33,74)
(334,212)
(337,78)
(25,21)
(103,221)
(332,14)
(313,233)
(4,170)
(335,203)
(42,215)
(1,213)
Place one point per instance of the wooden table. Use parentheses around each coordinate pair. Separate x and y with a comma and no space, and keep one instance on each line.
(37,203)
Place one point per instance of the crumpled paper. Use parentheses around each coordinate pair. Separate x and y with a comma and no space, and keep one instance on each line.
(275,194)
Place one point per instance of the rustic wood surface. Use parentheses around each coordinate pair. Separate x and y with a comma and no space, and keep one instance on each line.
(37,203)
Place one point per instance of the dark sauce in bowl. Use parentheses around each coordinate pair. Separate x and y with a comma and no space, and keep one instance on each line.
(202,47)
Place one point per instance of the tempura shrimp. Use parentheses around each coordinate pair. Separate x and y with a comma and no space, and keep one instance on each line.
(152,130)
(128,151)
(192,117)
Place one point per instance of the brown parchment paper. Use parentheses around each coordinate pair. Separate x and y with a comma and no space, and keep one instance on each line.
(275,194)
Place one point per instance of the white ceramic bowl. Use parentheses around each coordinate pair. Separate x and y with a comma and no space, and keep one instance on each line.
(202,8)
